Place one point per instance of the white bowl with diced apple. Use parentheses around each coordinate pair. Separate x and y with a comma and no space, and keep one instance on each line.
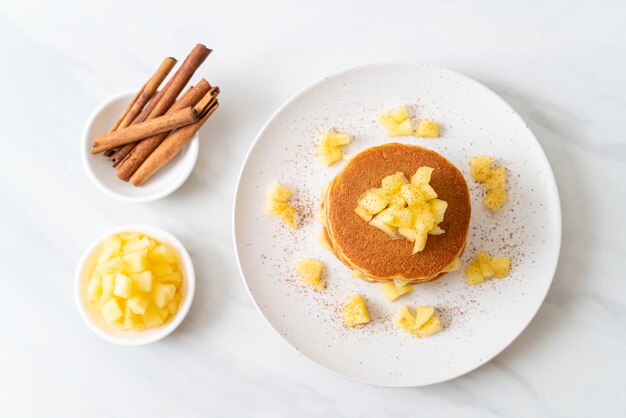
(91,311)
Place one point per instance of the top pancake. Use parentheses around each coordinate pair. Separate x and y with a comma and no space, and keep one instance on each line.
(370,249)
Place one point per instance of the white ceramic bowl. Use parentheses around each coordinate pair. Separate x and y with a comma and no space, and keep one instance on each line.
(100,171)
(92,316)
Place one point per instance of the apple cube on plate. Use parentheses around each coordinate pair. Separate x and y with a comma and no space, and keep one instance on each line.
(310,272)
(403,129)
(427,128)
(111,248)
(162,254)
(279,193)
(374,200)
(473,274)
(122,286)
(142,281)
(391,184)
(500,266)
(354,311)
(329,155)
(404,319)
(94,288)
(377,222)
(453,266)
(422,315)
(140,244)
(334,139)
(430,327)
(480,166)
(152,318)
(175,278)
(391,291)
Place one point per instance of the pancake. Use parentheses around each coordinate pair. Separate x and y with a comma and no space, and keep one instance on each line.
(369,250)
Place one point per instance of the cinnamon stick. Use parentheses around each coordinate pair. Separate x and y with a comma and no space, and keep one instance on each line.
(144,95)
(175,142)
(145,129)
(144,148)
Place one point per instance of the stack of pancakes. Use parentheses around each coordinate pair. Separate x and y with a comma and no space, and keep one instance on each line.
(370,252)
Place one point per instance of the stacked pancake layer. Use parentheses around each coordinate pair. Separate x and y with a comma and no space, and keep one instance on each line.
(368,250)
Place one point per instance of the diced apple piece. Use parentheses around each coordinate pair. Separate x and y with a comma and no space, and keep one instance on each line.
(480,166)
(122,286)
(432,326)
(162,269)
(162,294)
(94,288)
(175,278)
(412,194)
(363,213)
(398,217)
(329,155)
(422,315)
(289,217)
(438,209)
(142,281)
(484,262)
(354,311)
(374,200)
(310,272)
(399,114)
(172,306)
(421,235)
(427,128)
(279,193)
(397,201)
(500,266)
(495,199)
(436,230)
(391,184)
(428,192)
(403,129)
(274,207)
(424,219)
(112,311)
(393,292)
(422,175)
(131,246)
(162,254)
(404,319)
(114,264)
(108,284)
(408,233)
(129,236)
(473,274)
(387,121)
(453,266)
(496,178)
(111,248)
(386,228)
(152,317)
(334,139)
(138,304)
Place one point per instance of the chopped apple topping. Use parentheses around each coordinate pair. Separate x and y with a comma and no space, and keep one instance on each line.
(277,204)
(403,208)
(484,266)
(421,322)
(391,291)
(494,179)
(396,121)
(354,311)
(329,146)
(310,272)
(427,128)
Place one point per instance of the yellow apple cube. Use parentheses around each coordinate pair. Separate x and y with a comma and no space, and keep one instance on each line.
(495,199)
(421,235)
(473,274)
(114,264)
(112,311)
(409,233)
(310,272)
(111,248)
(399,114)
(480,166)
(138,304)
(334,139)
(94,288)
(175,278)
(129,236)
(377,222)
(162,293)
(152,317)
(422,175)
(122,286)
(427,128)
(422,315)
(387,121)
(496,179)
(403,129)
(392,292)
(275,207)
(404,319)
(289,217)
(279,193)
(484,262)
(428,192)
(140,244)
(398,217)
(354,311)
(438,209)
(500,266)
(162,269)
(363,213)
(453,266)
(142,281)
(374,200)
(392,184)
(161,254)
(329,155)
(432,326)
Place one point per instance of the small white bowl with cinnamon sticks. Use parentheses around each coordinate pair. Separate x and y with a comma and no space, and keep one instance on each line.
(141,145)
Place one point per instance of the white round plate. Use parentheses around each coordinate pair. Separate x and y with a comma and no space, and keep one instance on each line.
(479,321)
(101,173)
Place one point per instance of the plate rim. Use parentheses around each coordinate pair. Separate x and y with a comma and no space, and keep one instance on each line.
(551,187)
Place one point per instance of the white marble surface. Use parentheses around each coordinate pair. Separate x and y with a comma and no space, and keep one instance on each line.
(560,64)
